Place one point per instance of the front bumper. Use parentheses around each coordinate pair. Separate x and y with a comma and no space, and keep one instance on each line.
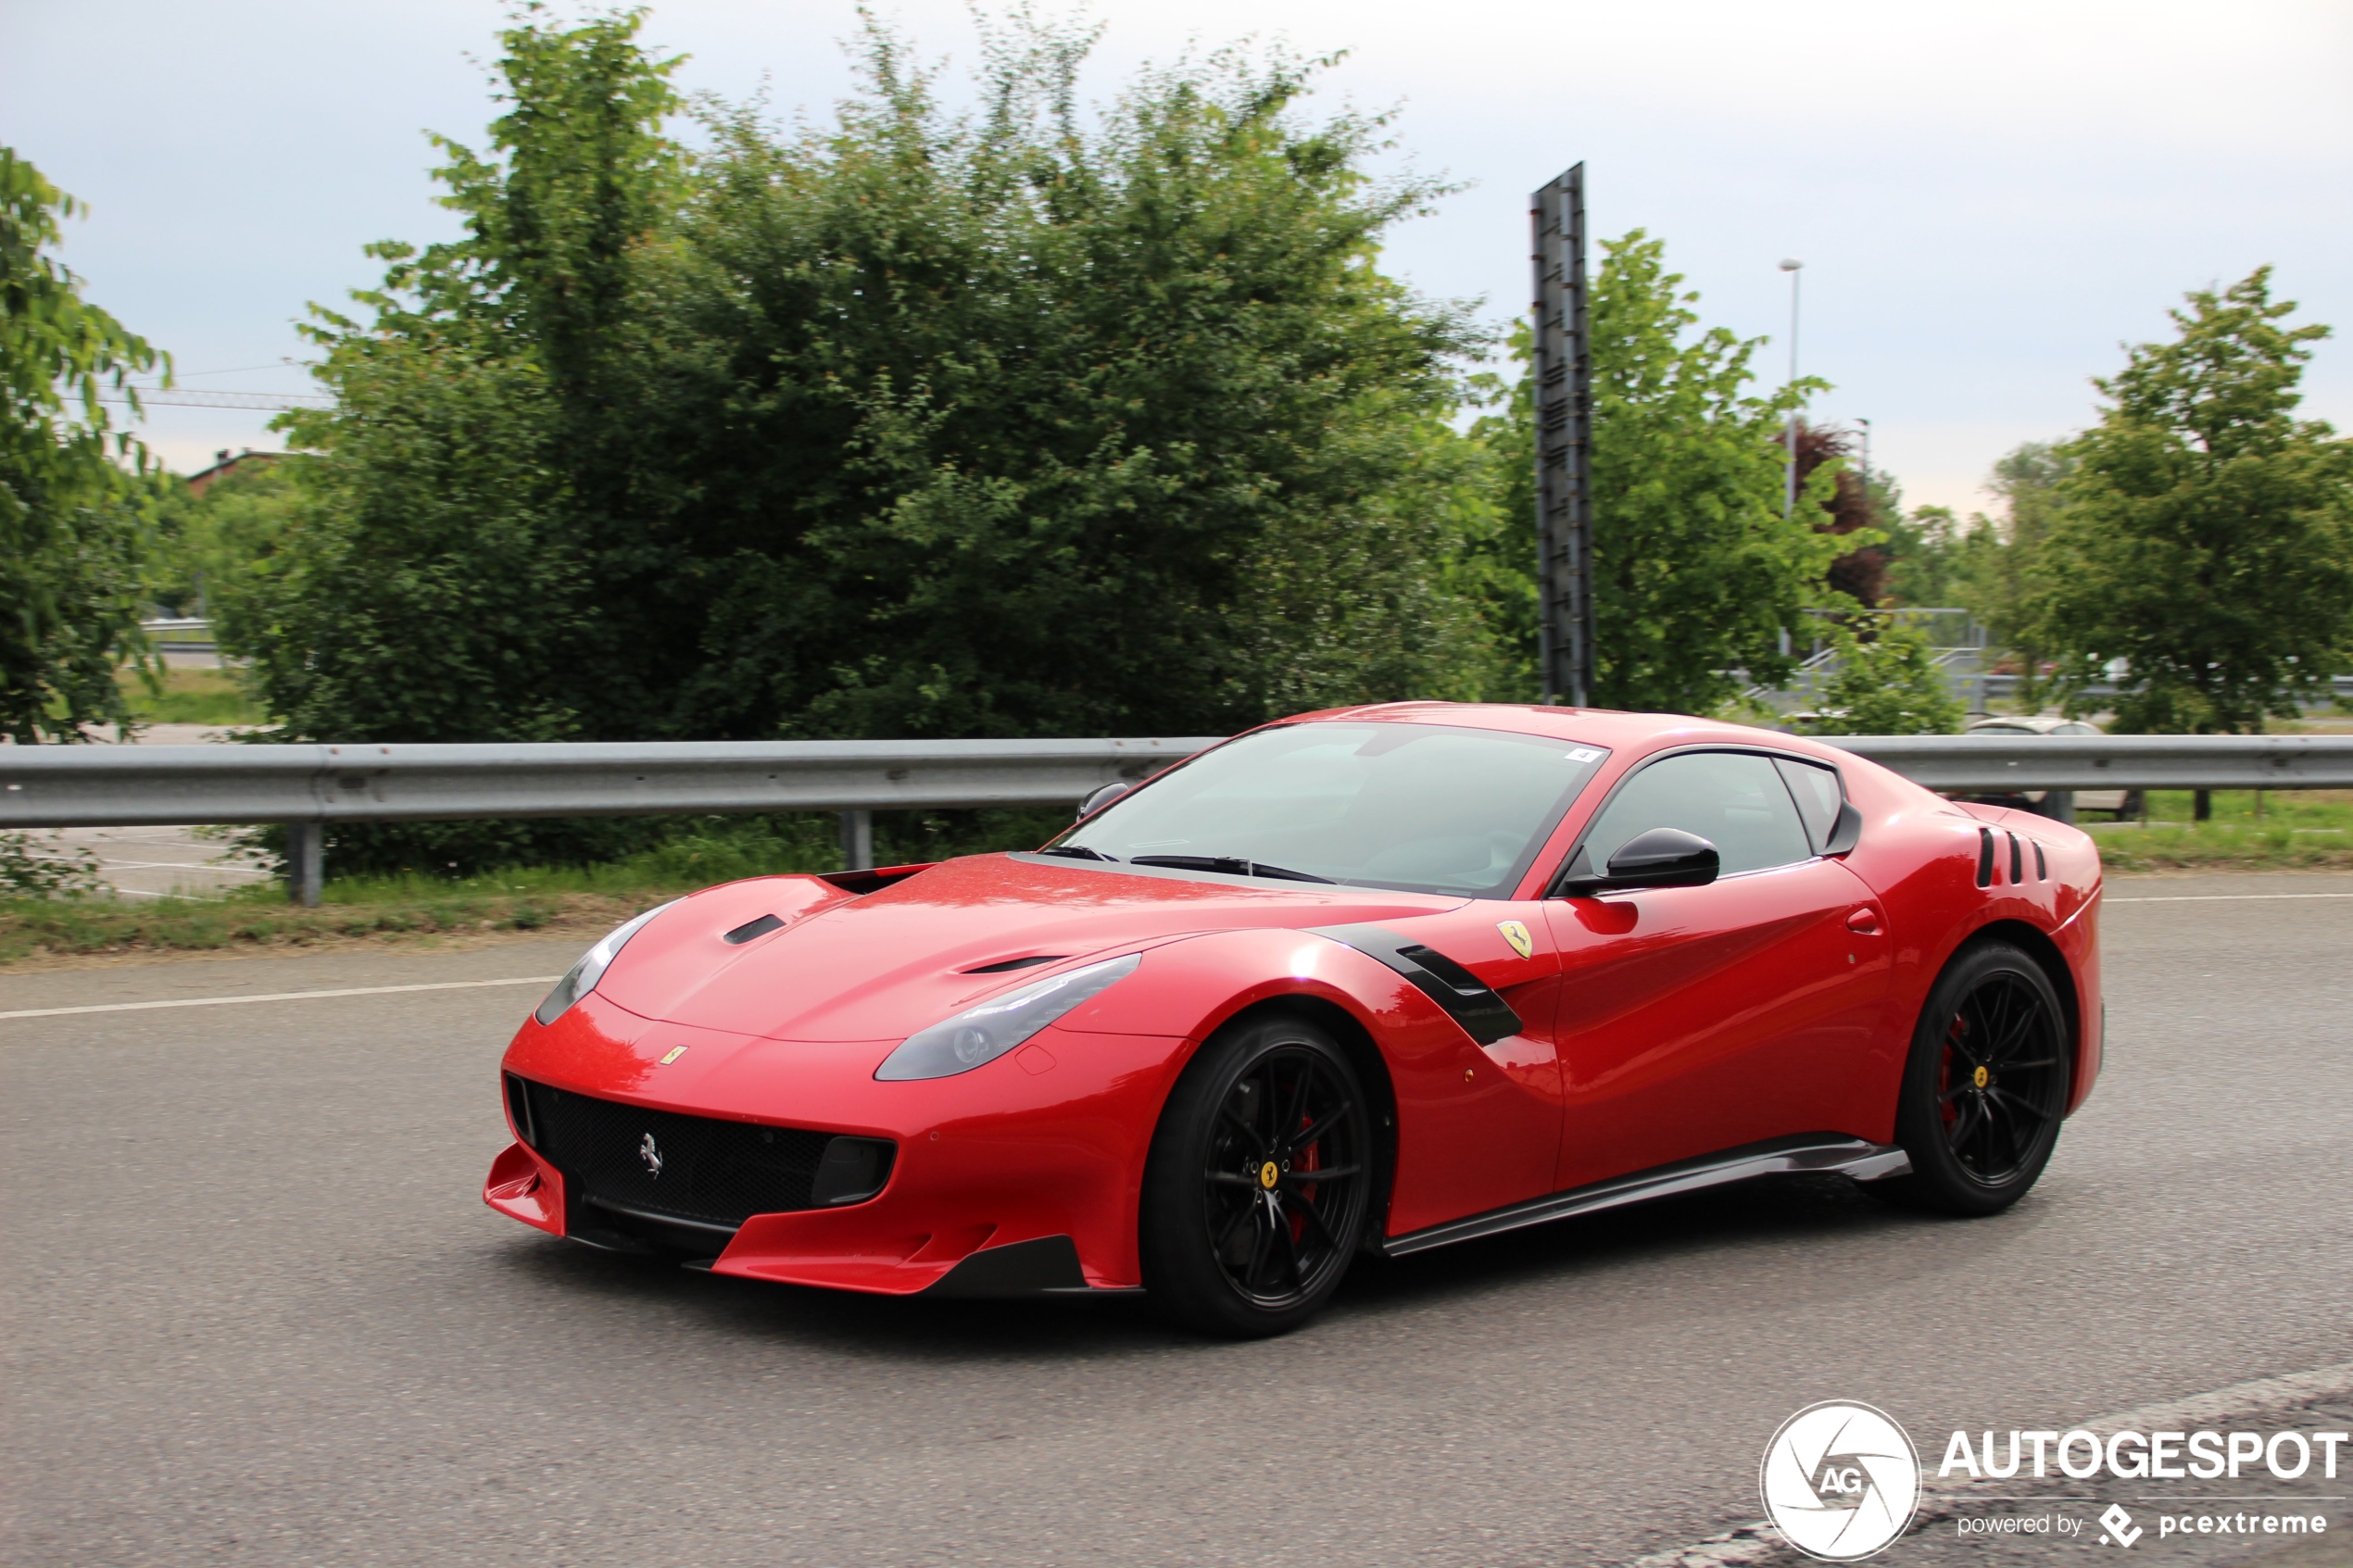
(1022,1176)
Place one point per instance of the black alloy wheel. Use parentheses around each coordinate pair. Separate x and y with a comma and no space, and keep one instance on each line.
(1986,1084)
(1259,1181)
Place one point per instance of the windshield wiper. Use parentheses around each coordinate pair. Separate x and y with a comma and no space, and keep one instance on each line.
(1079,852)
(1231,864)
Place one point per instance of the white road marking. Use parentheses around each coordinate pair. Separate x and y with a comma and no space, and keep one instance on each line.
(2222,898)
(282,997)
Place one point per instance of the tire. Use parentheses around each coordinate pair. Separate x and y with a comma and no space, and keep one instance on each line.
(1985,1086)
(1258,1183)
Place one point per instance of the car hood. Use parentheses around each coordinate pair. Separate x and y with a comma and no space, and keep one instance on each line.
(842,967)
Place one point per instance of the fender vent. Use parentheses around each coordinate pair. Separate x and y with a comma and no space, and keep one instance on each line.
(1484,1015)
(2017,862)
(2042,872)
(1985,857)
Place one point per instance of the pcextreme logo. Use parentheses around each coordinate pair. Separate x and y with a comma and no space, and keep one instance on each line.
(1840,1480)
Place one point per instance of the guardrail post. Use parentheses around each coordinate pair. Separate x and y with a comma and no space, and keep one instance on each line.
(305,856)
(858,841)
(2059,805)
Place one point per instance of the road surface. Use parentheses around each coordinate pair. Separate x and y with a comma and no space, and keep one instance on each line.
(257,1314)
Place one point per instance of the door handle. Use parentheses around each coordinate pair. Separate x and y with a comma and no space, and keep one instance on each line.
(1864,922)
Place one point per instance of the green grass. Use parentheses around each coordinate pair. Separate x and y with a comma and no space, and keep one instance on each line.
(192,697)
(2269,830)
(583,900)
(558,899)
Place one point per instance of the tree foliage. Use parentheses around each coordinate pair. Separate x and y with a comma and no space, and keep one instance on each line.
(73,492)
(1696,568)
(2204,534)
(1886,681)
(1849,513)
(1008,422)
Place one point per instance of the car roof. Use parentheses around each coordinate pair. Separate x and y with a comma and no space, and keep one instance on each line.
(1621,732)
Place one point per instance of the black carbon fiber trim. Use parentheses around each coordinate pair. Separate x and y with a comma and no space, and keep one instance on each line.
(1484,1016)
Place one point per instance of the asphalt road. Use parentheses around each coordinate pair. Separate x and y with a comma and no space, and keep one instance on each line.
(257,1314)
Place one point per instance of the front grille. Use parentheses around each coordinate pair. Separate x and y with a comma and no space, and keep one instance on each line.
(711,1171)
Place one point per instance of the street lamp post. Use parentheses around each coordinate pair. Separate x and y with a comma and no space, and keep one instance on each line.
(1789,499)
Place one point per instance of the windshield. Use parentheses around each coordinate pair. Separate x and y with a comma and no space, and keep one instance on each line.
(1420,807)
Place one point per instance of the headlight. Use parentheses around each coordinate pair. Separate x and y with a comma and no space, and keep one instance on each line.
(584,975)
(985,1033)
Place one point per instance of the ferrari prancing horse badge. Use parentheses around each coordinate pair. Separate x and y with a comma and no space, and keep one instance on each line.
(1517,935)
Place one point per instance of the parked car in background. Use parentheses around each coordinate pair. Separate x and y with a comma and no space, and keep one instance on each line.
(2121,803)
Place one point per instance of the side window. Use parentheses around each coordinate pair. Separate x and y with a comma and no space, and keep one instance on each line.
(1819,797)
(1734,800)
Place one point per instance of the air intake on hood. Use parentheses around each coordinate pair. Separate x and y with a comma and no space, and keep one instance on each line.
(1004,964)
(752,928)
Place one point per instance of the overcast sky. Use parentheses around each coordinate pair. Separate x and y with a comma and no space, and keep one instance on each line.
(1988,197)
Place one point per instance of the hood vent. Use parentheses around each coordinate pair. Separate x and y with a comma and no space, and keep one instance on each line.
(750,929)
(1005,964)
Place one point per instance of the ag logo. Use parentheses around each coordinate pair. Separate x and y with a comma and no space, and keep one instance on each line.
(1839,1481)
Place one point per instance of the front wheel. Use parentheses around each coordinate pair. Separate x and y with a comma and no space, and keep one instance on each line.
(1259,1181)
(1985,1086)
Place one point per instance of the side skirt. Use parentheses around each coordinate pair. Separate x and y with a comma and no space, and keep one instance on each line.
(1814,1154)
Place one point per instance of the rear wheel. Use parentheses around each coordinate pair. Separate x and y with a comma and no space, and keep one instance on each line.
(1258,1183)
(1985,1086)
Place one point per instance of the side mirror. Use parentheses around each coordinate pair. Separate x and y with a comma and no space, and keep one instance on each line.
(1661,857)
(1102,797)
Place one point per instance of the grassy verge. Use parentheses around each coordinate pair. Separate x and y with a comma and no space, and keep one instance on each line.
(260,918)
(191,696)
(2271,830)
(570,900)
(410,907)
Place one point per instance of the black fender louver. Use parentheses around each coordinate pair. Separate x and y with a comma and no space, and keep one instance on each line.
(1467,999)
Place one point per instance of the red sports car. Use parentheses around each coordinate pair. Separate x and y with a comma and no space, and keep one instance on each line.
(1377,979)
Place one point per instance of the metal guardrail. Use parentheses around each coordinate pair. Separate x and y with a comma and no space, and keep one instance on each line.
(2003,687)
(309,787)
(136,786)
(1983,762)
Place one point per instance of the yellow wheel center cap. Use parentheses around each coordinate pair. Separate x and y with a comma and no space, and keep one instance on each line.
(1267,1175)
(1983,1077)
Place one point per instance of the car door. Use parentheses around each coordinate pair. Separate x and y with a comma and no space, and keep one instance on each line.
(1692,1020)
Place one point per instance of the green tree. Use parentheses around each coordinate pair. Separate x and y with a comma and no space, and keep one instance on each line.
(1926,547)
(208,547)
(1886,682)
(1052,428)
(73,492)
(1696,568)
(2000,564)
(1010,422)
(2205,537)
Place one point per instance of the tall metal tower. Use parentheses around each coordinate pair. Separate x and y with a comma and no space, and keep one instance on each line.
(1563,387)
